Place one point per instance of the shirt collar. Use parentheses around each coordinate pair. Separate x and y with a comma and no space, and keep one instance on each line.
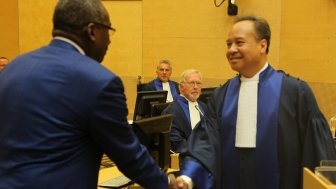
(72,43)
(256,76)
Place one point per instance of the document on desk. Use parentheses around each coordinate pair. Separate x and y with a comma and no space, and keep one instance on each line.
(116,182)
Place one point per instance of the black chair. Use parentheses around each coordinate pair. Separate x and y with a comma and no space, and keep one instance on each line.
(140,86)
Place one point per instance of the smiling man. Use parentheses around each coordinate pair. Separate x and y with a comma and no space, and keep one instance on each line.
(261,127)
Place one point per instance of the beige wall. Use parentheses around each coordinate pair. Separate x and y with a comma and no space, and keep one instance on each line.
(35,24)
(192,34)
(9,22)
(308,39)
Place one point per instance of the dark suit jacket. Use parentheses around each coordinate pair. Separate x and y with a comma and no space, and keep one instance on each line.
(181,125)
(60,111)
(152,87)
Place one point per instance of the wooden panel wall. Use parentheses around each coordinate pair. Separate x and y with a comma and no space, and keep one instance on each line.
(308,39)
(35,25)
(9,21)
(308,43)
(193,33)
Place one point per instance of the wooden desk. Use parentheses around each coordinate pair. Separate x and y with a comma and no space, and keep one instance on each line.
(311,181)
(108,173)
(111,172)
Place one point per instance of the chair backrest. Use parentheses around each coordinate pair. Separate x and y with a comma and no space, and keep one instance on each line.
(140,86)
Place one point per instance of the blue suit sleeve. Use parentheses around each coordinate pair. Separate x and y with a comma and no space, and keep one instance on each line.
(114,135)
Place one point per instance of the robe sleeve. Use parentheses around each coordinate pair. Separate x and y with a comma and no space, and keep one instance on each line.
(318,143)
(201,161)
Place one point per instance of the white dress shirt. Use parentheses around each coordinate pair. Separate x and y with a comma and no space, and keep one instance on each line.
(166,87)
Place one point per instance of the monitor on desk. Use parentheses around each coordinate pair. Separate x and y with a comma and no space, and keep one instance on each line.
(206,93)
(144,101)
(154,133)
(157,109)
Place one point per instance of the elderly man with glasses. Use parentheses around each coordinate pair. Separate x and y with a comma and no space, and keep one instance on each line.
(186,109)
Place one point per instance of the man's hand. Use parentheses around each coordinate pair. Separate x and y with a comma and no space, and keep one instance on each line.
(177,183)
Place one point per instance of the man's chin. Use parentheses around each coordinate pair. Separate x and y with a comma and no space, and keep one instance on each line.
(235,66)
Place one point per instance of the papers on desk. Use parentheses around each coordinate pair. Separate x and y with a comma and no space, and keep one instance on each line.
(116,182)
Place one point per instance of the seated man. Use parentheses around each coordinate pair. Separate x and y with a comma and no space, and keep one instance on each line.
(162,82)
(187,111)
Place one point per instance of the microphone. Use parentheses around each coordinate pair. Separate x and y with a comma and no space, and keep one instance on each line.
(197,108)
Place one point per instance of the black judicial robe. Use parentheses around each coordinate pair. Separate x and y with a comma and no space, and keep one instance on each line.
(181,124)
(292,133)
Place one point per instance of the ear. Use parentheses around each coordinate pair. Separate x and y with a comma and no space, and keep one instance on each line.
(181,86)
(263,45)
(91,31)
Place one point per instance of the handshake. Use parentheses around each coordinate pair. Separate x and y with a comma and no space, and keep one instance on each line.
(176,182)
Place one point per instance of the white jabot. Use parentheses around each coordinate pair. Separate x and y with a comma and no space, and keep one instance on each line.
(194,114)
(246,128)
(166,87)
(72,43)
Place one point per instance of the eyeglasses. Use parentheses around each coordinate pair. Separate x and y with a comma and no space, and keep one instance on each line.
(193,83)
(110,29)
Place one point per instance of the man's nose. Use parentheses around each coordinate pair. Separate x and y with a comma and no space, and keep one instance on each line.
(232,48)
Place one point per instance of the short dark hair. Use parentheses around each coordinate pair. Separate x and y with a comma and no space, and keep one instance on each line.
(72,15)
(261,27)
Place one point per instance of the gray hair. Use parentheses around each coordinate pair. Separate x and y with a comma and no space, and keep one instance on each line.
(261,27)
(164,62)
(188,72)
(72,15)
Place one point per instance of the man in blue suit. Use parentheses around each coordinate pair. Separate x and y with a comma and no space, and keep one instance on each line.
(61,110)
